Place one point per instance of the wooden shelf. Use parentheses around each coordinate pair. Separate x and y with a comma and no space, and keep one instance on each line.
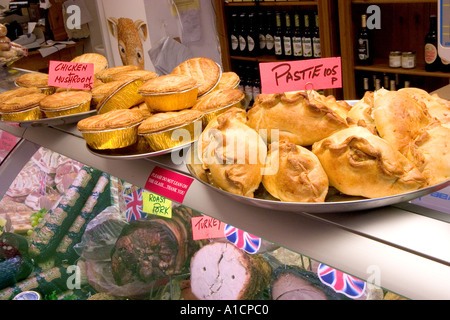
(272,3)
(392,1)
(418,71)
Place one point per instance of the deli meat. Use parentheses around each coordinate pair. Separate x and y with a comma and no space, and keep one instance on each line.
(221,271)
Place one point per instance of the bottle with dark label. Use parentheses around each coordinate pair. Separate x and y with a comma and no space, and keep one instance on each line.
(297,49)
(317,52)
(252,35)
(432,60)
(242,34)
(262,32)
(364,45)
(307,41)
(256,90)
(287,36)
(270,33)
(278,36)
(234,35)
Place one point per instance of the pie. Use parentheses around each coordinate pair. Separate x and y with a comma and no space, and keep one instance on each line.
(168,120)
(33,79)
(100,62)
(115,119)
(106,75)
(65,100)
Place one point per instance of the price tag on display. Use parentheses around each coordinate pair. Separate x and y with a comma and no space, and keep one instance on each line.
(157,205)
(168,184)
(313,74)
(206,228)
(71,75)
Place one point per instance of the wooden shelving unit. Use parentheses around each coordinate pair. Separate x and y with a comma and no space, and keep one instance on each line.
(326,9)
(404,24)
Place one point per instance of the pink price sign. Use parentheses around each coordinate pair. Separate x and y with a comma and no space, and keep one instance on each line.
(204,228)
(71,75)
(313,74)
(168,184)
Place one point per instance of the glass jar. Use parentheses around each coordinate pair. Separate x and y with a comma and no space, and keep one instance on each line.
(408,59)
(395,59)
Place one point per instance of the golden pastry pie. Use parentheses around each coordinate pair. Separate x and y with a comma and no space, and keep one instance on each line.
(99,92)
(217,102)
(19,92)
(111,130)
(399,118)
(437,107)
(33,79)
(361,112)
(170,92)
(22,108)
(66,103)
(430,152)
(294,174)
(228,80)
(106,75)
(301,117)
(100,62)
(143,109)
(359,163)
(233,154)
(122,95)
(205,70)
(144,75)
(170,129)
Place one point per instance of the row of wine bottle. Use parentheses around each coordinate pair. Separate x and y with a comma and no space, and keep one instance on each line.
(283,34)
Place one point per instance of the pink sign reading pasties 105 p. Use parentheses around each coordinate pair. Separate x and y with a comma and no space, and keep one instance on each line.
(168,184)
(312,74)
(71,75)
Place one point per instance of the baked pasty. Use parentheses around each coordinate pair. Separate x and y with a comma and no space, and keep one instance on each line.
(361,112)
(399,118)
(205,70)
(430,152)
(437,107)
(232,153)
(359,163)
(298,116)
(297,174)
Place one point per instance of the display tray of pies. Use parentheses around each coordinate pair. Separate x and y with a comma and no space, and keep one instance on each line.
(131,153)
(54,121)
(305,152)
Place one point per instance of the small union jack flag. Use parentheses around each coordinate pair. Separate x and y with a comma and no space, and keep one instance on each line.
(134,205)
(341,282)
(243,240)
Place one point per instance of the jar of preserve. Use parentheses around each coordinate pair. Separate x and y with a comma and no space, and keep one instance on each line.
(408,59)
(395,59)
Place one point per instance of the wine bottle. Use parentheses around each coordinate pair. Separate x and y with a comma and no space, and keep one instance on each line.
(297,49)
(307,41)
(278,36)
(364,45)
(432,61)
(234,35)
(287,37)
(252,36)
(242,35)
(317,52)
(270,33)
(262,30)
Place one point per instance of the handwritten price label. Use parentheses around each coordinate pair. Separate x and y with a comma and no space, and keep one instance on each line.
(156,204)
(71,75)
(206,228)
(315,74)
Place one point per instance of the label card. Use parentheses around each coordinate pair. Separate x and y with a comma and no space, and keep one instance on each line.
(206,228)
(156,204)
(168,184)
(71,75)
(312,74)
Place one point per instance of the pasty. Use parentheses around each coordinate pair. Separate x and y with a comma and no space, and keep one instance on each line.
(359,163)
(294,174)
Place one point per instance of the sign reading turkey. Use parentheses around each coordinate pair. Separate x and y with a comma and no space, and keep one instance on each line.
(204,228)
(71,75)
(312,74)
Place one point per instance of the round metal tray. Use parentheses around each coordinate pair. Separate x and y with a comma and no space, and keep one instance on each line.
(335,203)
(54,121)
(126,154)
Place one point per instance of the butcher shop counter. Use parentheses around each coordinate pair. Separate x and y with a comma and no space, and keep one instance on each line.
(404,248)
